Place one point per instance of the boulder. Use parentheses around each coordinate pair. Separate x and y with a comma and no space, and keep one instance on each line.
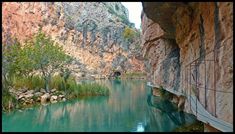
(22,99)
(21,96)
(181,102)
(11,90)
(29,92)
(45,98)
(53,90)
(27,102)
(175,100)
(53,97)
(42,90)
(28,96)
(64,99)
(22,90)
(31,101)
(18,93)
(38,99)
(61,96)
(38,94)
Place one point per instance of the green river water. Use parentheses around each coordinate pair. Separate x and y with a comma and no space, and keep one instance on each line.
(130,107)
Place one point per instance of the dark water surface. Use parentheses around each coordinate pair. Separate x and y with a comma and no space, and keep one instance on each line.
(129,107)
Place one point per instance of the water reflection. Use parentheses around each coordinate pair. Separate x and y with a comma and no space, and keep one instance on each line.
(140,127)
(130,107)
(165,115)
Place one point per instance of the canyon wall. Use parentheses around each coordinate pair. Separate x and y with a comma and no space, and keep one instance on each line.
(189,48)
(90,32)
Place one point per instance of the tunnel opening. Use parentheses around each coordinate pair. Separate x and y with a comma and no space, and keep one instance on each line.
(117,74)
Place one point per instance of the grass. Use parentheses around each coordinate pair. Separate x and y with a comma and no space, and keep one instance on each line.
(8,101)
(71,88)
(27,82)
(195,127)
(87,89)
(134,74)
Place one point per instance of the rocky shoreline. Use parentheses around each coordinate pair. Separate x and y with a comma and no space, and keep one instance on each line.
(30,97)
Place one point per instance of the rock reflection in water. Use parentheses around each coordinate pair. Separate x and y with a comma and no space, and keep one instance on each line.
(165,115)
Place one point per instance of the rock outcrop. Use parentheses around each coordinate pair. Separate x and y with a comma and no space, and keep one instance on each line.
(177,35)
(91,32)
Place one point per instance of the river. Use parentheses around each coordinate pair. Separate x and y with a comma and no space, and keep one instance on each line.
(130,107)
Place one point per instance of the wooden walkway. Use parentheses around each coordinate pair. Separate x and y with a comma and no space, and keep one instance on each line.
(200,112)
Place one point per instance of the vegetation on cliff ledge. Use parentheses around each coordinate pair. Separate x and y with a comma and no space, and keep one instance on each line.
(134,75)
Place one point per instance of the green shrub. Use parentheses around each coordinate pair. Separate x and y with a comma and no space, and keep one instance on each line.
(128,33)
(8,101)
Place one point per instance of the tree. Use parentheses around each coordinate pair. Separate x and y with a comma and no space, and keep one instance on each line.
(65,73)
(26,65)
(10,59)
(47,57)
(129,34)
(39,54)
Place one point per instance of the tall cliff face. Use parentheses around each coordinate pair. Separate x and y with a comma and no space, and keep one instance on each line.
(186,42)
(91,32)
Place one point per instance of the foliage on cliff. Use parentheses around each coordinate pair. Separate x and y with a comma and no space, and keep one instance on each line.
(130,34)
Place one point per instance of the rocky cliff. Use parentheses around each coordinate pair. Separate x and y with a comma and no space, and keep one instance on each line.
(189,47)
(91,32)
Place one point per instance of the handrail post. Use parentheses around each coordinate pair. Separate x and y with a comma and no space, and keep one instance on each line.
(190,86)
(196,90)
(215,80)
(205,85)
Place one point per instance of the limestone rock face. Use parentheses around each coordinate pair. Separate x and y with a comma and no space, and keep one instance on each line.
(162,13)
(91,32)
(175,35)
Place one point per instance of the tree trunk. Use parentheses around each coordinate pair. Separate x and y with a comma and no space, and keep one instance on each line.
(47,83)
(6,82)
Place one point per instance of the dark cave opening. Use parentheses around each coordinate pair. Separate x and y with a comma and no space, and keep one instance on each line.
(117,74)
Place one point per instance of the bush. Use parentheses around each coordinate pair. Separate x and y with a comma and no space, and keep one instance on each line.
(128,33)
(8,101)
